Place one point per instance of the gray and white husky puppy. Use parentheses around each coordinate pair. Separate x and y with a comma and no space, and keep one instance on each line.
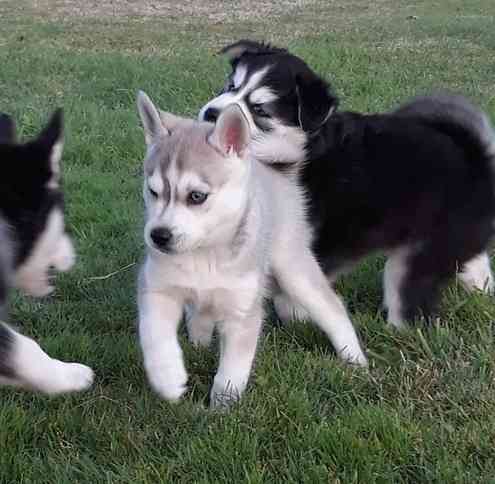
(33,243)
(220,228)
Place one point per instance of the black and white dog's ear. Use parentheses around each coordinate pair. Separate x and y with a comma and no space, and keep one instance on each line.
(150,117)
(7,129)
(51,140)
(316,103)
(231,133)
(236,50)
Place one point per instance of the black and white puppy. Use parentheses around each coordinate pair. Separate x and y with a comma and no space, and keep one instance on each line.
(33,243)
(416,183)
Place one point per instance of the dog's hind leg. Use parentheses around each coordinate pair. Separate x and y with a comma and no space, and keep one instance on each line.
(24,364)
(393,279)
(423,272)
(476,274)
(303,280)
(286,310)
(200,326)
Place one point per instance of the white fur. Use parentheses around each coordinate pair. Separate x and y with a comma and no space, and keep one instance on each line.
(226,278)
(282,144)
(395,271)
(52,249)
(55,157)
(35,370)
(238,96)
(262,95)
(476,274)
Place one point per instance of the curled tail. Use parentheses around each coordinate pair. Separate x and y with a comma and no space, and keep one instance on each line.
(456,116)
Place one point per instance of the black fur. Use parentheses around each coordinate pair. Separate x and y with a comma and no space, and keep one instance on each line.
(421,177)
(6,348)
(25,204)
(25,199)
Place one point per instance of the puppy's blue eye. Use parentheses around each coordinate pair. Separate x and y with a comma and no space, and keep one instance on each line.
(259,111)
(196,198)
(153,193)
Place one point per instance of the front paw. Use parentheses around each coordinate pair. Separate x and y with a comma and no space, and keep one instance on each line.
(169,383)
(223,395)
(61,377)
(354,356)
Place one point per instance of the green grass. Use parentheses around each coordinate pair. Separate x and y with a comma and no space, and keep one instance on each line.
(426,410)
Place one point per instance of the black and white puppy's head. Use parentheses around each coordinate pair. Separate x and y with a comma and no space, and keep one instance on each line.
(31,204)
(283,99)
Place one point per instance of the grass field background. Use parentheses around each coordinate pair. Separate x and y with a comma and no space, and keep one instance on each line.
(426,410)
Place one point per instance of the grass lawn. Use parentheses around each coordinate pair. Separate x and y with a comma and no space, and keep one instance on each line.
(426,410)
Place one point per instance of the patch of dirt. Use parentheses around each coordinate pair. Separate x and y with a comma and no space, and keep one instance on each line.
(210,11)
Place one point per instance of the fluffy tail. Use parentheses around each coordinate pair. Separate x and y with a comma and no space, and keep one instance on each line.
(457,117)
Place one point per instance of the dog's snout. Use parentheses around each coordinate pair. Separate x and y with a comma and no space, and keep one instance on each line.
(211,115)
(161,237)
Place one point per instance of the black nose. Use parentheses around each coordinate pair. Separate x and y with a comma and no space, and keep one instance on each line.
(161,237)
(211,115)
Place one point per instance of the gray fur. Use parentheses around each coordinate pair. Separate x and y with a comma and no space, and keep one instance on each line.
(454,109)
(222,253)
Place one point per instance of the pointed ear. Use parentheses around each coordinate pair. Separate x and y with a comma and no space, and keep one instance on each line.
(52,140)
(236,50)
(171,121)
(150,118)
(316,103)
(231,133)
(7,129)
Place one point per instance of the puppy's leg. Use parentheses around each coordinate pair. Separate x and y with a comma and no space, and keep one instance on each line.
(159,318)
(200,328)
(24,364)
(302,279)
(286,310)
(393,279)
(238,339)
(476,274)
(426,270)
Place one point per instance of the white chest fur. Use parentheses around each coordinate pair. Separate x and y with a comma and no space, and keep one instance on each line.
(206,281)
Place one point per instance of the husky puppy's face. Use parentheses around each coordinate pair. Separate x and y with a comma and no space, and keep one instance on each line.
(31,203)
(282,98)
(195,179)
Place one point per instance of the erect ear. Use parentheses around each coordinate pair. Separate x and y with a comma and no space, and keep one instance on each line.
(7,129)
(171,121)
(51,139)
(236,50)
(231,133)
(316,103)
(152,124)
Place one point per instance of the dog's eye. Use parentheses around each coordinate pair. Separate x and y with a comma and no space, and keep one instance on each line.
(153,193)
(259,111)
(196,198)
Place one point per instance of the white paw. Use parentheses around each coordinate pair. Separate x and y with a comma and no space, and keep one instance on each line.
(354,356)
(223,395)
(65,378)
(169,383)
(396,324)
(287,311)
